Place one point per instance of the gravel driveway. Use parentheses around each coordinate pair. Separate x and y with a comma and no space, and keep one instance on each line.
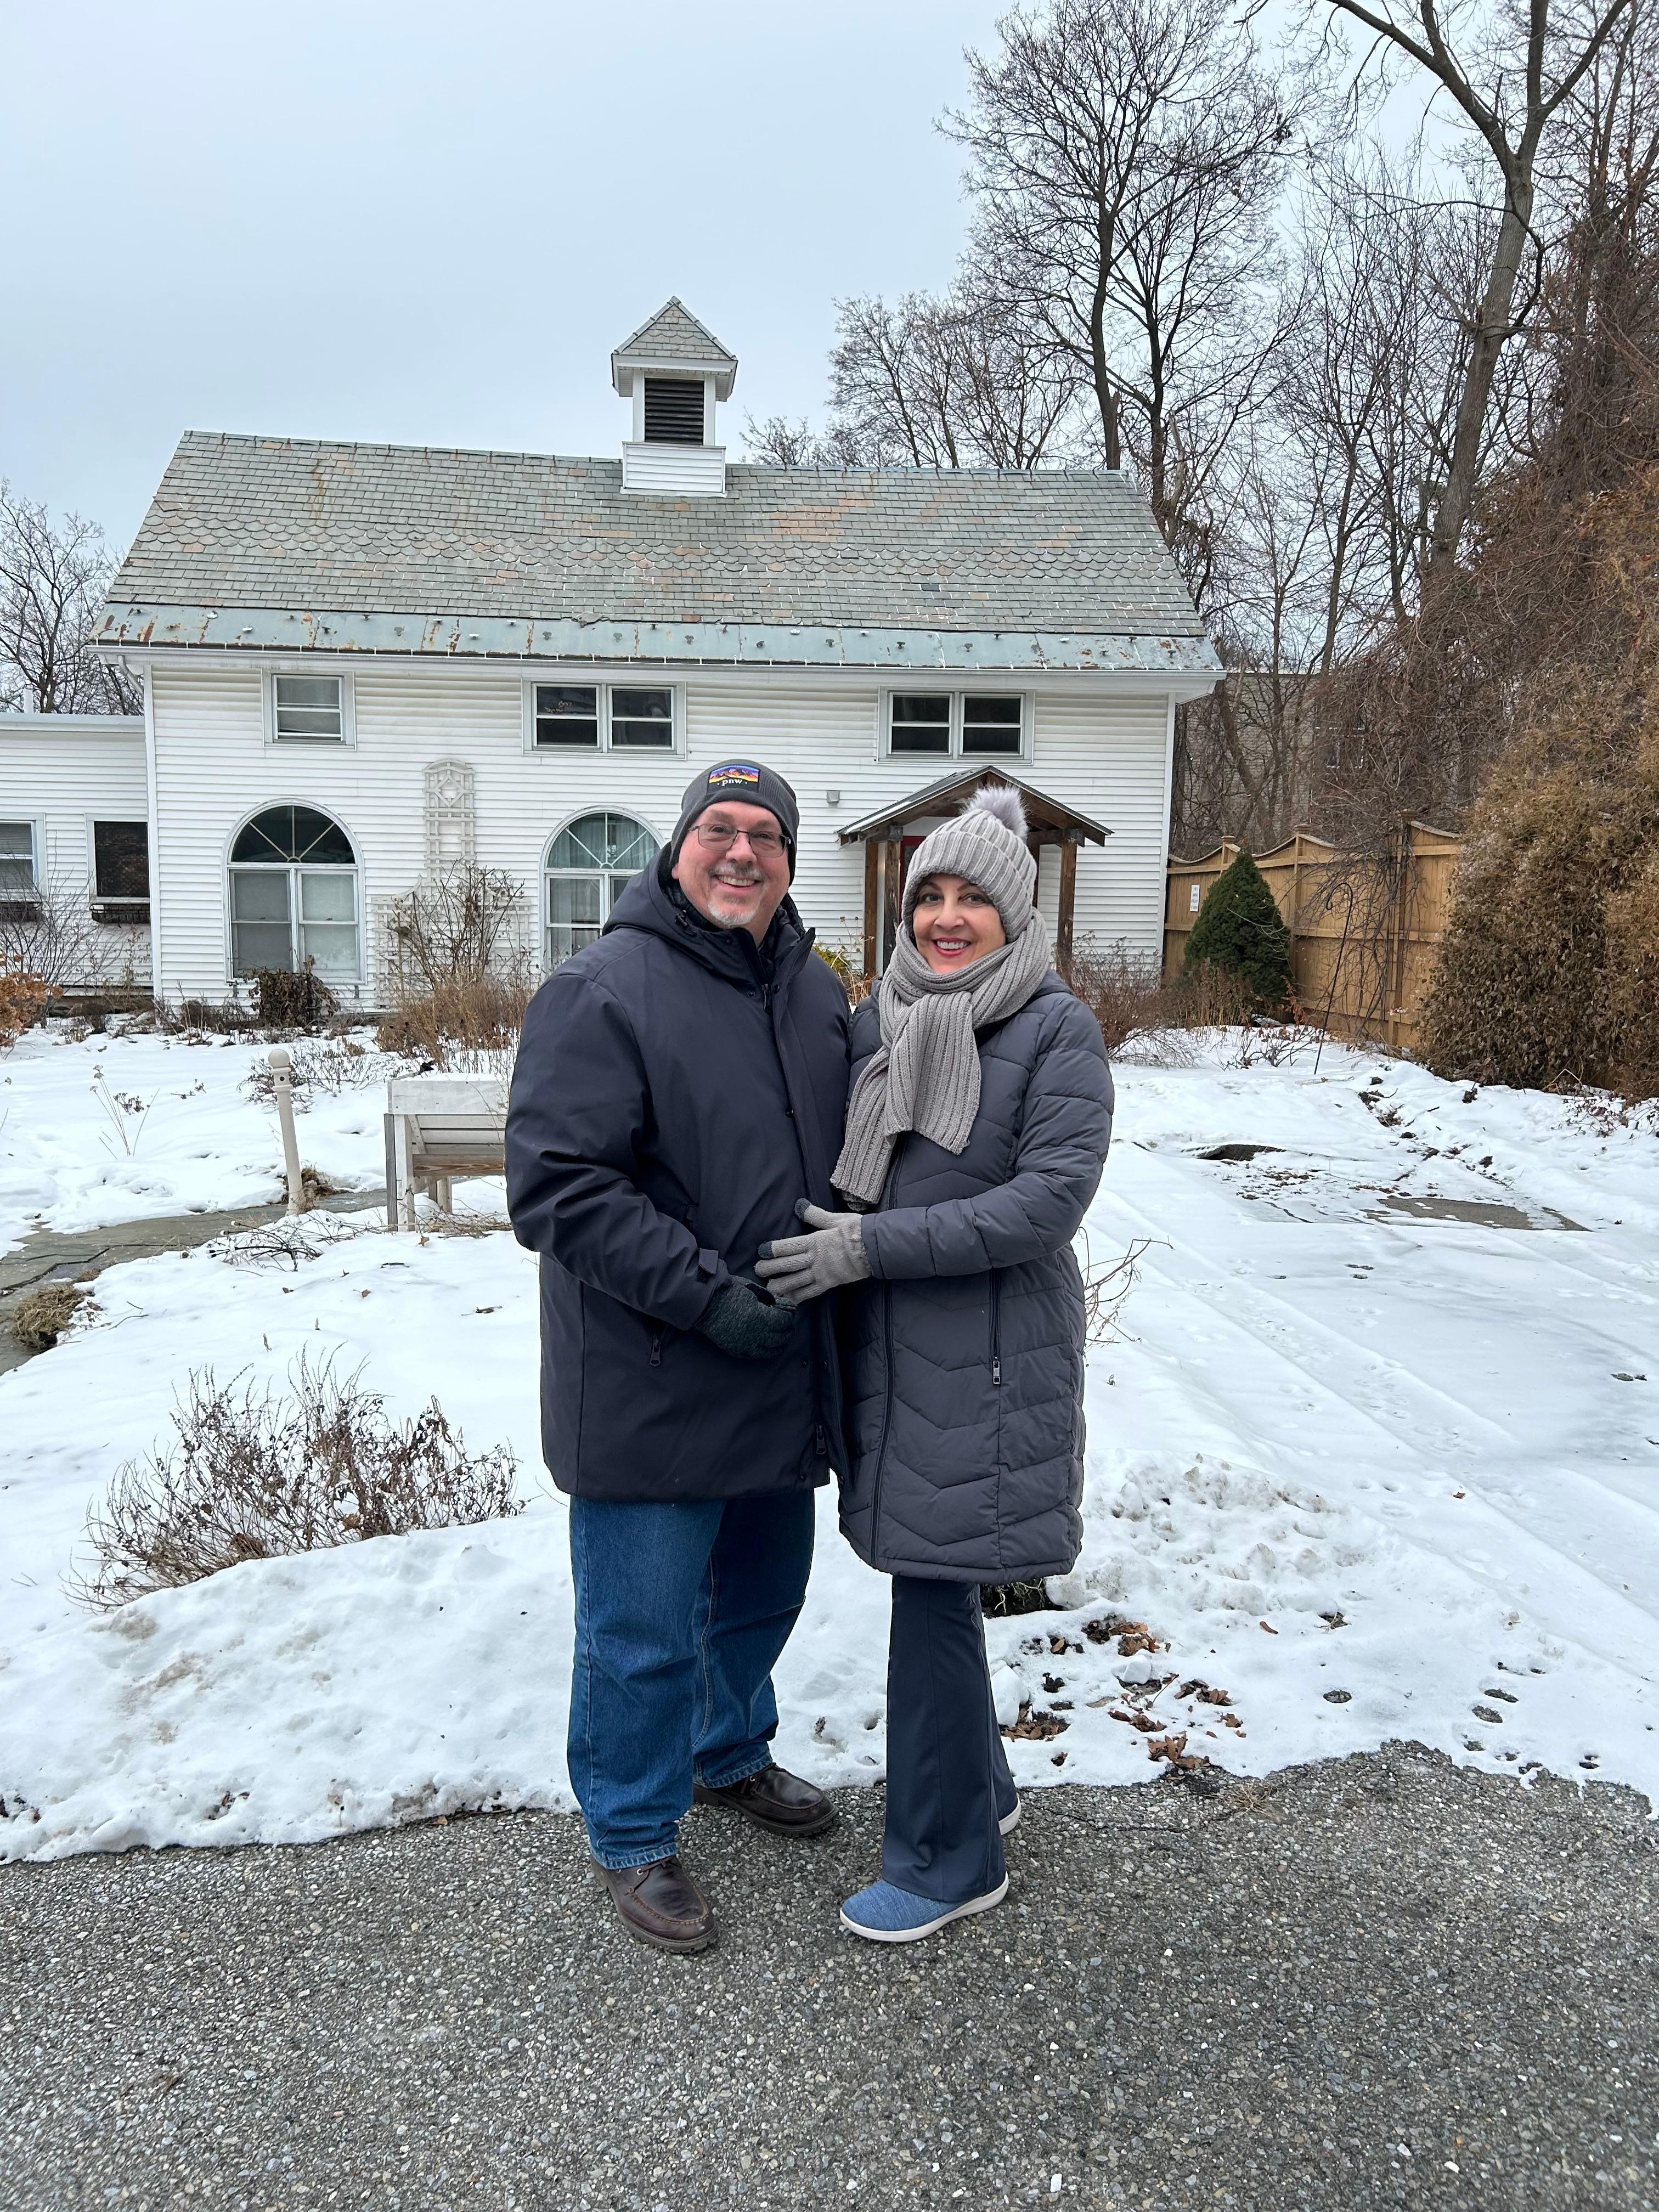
(1382,1981)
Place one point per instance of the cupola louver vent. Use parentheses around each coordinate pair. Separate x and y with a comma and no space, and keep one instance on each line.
(673,411)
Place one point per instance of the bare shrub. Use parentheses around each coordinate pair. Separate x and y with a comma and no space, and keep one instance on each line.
(197,1017)
(286,1241)
(260,1474)
(1106,1286)
(23,998)
(1262,1043)
(1134,1003)
(53,934)
(470,1027)
(849,967)
(460,926)
(293,998)
(40,1316)
(328,1068)
(462,979)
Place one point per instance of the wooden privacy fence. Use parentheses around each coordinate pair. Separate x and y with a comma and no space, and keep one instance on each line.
(1364,933)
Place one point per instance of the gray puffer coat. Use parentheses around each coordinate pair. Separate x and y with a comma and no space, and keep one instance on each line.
(965,1354)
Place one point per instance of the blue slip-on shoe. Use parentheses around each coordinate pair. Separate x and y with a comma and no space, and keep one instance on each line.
(1009,1821)
(885,1914)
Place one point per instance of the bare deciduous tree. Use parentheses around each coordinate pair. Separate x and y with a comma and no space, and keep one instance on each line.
(1508,71)
(53,578)
(1127,163)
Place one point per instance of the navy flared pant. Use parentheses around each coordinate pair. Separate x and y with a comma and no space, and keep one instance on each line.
(948,1783)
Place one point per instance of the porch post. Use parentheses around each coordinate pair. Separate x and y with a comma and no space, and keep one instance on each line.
(893,853)
(1068,899)
(872,902)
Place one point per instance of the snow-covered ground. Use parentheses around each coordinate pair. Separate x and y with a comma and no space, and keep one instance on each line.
(136,1129)
(1375,1454)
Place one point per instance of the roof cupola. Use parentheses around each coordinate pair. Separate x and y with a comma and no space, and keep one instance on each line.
(675,372)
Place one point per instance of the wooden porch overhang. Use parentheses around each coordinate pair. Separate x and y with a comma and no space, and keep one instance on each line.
(1048,822)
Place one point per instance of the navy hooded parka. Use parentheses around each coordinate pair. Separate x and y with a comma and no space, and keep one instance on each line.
(678,1087)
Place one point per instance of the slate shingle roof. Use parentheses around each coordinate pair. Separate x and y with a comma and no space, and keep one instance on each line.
(674,333)
(287,523)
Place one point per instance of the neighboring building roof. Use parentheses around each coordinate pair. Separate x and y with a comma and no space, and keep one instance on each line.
(272,542)
(674,339)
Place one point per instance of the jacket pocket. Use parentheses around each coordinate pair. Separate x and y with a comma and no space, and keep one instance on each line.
(996,1330)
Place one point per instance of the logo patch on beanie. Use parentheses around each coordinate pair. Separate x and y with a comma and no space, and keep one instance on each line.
(734,772)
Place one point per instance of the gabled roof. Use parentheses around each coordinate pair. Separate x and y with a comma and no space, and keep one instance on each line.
(1050,821)
(295,544)
(673,338)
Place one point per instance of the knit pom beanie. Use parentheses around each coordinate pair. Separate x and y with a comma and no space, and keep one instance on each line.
(984,843)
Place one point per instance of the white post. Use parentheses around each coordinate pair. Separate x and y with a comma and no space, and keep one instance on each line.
(280,1064)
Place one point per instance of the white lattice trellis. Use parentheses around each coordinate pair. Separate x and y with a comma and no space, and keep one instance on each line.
(452,832)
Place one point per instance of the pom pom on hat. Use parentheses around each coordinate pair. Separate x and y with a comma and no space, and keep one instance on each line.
(1003,804)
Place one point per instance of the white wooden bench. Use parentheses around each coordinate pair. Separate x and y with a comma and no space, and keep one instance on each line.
(440,1129)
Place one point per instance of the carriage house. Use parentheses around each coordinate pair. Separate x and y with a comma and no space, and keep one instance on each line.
(364,663)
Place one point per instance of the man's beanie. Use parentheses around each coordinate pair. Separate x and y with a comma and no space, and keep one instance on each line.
(737,779)
(984,843)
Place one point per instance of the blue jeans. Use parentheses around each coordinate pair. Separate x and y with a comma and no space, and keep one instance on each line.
(681,1612)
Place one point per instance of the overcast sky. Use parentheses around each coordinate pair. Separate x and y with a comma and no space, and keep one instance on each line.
(431,224)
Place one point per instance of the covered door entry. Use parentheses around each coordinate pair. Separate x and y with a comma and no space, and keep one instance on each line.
(890,837)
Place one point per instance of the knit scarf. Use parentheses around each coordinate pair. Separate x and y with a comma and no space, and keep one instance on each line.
(924,1075)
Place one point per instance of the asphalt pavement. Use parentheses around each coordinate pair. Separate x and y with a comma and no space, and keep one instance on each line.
(1383,1981)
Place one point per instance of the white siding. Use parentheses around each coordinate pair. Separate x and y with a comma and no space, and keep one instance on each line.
(1108,756)
(65,772)
(822,738)
(1102,753)
(698,471)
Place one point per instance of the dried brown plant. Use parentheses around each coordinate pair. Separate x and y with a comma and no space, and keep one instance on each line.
(265,1473)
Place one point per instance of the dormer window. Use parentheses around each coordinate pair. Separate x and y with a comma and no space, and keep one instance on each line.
(673,411)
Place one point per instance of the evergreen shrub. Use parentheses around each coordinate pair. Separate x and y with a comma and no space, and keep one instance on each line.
(1239,931)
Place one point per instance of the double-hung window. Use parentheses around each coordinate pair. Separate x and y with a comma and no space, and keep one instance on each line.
(120,871)
(957,725)
(310,710)
(19,886)
(600,718)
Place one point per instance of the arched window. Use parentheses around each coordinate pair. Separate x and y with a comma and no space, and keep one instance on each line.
(587,865)
(294,896)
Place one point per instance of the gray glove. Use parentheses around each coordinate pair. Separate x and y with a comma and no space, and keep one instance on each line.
(743,1320)
(802,1268)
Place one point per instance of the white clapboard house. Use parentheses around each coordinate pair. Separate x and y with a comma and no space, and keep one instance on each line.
(362,663)
(74,847)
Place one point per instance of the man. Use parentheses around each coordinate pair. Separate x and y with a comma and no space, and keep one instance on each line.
(681,1085)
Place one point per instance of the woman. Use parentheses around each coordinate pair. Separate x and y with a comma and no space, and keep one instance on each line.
(981,1111)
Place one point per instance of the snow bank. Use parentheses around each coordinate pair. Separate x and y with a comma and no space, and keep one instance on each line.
(1359,1472)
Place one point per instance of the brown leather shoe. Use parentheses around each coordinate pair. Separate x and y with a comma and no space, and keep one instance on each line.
(660,1904)
(774,1799)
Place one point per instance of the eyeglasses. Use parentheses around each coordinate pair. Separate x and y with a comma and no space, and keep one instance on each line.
(720,837)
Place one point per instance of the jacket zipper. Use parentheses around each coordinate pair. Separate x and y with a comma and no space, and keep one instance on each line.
(996,1332)
(656,1347)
